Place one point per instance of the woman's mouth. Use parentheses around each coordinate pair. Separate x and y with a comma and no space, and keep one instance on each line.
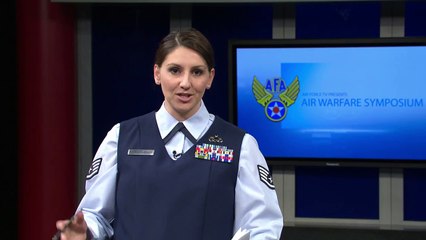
(184,97)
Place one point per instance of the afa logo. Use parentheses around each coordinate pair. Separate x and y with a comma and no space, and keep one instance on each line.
(275,96)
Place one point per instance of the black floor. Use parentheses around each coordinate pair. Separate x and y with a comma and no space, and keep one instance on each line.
(301,233)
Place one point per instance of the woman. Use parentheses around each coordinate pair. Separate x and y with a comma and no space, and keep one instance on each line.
(205,179)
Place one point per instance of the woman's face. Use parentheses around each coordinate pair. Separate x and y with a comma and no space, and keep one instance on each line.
(184,77)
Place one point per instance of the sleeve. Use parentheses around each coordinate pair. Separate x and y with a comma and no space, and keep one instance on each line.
(98,202)
(256,204)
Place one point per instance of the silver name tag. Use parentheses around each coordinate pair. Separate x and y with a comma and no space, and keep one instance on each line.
(140,152)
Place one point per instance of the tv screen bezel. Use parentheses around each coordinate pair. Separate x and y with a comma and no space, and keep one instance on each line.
(307,43)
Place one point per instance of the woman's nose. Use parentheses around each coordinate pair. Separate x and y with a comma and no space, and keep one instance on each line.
(185,81)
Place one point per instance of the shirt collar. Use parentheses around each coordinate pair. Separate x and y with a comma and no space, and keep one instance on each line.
(195,124)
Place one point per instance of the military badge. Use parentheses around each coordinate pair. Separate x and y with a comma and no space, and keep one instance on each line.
(94,169)
(265,177)
(215,139)
(275,96)
(214,153)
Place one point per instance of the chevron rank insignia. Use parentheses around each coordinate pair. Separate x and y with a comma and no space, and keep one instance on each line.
(94,169)
(265,177)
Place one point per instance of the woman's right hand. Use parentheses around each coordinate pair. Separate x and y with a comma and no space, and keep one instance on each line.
(74,229)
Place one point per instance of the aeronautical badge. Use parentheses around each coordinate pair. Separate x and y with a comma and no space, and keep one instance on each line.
(215,139)
(214,153)
(94,169)
(275,96)
(265,177)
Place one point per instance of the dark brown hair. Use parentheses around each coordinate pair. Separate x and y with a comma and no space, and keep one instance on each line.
(192,39)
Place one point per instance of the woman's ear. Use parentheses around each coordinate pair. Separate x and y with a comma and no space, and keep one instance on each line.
(212,73)
(157,74)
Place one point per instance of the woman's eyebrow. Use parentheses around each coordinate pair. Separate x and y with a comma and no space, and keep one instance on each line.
(200,66)
(173,64)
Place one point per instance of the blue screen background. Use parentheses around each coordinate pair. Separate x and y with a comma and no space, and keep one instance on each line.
(354,102)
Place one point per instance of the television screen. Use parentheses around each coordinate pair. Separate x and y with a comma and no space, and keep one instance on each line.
(334,102)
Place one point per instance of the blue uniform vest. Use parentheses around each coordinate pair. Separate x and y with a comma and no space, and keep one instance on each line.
(158,198)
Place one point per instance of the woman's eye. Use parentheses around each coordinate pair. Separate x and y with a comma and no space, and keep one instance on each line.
(174,70)
(198,72)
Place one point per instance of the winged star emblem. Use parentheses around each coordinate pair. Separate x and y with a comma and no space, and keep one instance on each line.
(275,96)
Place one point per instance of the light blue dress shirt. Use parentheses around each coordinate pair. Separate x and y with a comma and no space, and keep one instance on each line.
(256,205)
